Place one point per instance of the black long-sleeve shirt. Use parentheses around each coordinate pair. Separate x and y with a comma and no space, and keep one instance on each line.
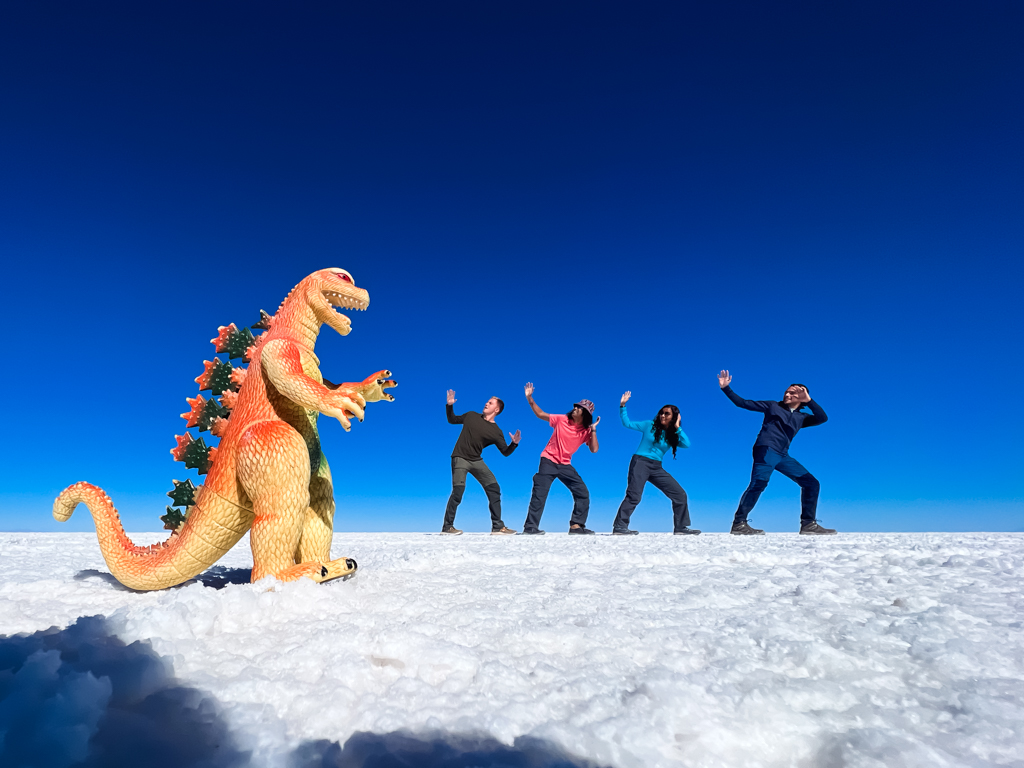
(477,434)
(780,423)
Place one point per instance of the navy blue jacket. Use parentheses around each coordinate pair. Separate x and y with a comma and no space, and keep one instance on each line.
(780,424)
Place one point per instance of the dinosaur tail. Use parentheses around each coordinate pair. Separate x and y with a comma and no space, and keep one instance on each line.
(188,552)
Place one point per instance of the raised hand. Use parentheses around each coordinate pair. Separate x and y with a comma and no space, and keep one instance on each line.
(625,396)
(723,379)
(596,422)
(528,389)
(803,395)
(679,419)
(515,437)
(451,397)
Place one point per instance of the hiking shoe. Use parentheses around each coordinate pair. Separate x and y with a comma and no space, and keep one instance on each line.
(502,531)
(690,532)
(538,532)
(744,529)
(625,532)
(453,531)
(579,531)
(813,529)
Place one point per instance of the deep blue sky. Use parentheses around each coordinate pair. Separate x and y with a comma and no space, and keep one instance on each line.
(591,196)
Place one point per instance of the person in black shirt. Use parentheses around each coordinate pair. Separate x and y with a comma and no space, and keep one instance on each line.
(478,431)
(782,420)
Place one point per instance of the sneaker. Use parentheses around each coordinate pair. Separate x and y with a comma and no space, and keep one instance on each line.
(689,532)
(625,532)
(744,529)
(813,529)
(580,530)
(453,531)
(502,531)
(538,532)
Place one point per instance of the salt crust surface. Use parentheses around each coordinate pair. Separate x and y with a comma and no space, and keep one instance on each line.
(856,650)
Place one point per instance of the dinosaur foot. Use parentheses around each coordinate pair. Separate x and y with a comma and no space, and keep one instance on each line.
(343,568)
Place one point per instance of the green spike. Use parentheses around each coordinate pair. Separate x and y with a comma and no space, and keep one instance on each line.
(263,324)
(173,520)
(212,410)
(217,377)
(197,456)
(184,494)
(236,343)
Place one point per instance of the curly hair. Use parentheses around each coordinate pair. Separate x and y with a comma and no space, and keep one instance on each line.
(671,434)
(588,418)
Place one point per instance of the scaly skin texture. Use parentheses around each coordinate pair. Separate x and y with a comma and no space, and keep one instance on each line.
(268,475)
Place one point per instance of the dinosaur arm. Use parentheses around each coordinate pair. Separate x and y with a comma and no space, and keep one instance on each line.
(282,363)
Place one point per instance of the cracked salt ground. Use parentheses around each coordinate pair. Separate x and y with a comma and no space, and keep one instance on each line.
(862,650)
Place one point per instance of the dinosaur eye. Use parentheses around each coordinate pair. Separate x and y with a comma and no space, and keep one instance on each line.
(344,277)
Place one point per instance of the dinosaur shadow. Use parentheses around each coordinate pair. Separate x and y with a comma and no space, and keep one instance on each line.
(217,577)
(81,696)
(405,750)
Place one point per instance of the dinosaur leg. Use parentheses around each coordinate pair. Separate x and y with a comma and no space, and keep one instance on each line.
(273,468)
(318,527)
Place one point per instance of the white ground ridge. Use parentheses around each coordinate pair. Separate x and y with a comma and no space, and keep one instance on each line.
(856,650)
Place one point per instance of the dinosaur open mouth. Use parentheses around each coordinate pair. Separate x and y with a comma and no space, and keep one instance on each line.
(341,301)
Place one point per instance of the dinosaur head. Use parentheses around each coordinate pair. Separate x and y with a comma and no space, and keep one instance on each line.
(331,290)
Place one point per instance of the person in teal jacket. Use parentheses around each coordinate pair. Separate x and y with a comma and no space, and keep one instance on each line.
(658,435)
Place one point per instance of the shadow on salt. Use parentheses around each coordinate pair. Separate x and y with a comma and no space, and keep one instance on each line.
(404,750)
(81,697)
(216,577)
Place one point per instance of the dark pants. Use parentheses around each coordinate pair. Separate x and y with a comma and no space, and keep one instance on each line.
(479,470)
(765,462)
(641,471)
(542,481)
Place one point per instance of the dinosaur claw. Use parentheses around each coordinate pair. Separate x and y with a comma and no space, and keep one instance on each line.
(351,563)
(323,571)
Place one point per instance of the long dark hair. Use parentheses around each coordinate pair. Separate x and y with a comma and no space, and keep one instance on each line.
(671,435)
(588,418)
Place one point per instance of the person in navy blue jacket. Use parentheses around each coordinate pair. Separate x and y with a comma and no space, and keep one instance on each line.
(782,420)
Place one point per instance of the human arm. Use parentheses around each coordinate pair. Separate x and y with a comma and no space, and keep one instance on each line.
(592,439)
(684,441)
(452,418)
(625,416)
(639,426)
(537,410)
(751,405)
(507,448)
(818,415)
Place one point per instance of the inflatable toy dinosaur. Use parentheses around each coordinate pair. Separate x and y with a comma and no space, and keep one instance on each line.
(268,476)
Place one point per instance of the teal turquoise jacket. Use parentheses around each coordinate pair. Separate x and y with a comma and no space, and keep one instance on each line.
(649,449)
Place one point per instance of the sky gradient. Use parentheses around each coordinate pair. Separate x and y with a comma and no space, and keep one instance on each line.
(590,196)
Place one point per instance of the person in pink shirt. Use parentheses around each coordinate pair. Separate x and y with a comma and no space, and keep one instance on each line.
(571,430)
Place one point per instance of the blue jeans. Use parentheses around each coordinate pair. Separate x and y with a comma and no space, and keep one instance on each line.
(767,461)
(642,471)
(548,472)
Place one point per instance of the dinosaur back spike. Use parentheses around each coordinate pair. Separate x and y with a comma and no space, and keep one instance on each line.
(184,441)
(263,324)
(238,377)
(232,341)
(195,453)
(212,410)
(229,398)
(216,376)
(173,520)
(193,416)
(184,493)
